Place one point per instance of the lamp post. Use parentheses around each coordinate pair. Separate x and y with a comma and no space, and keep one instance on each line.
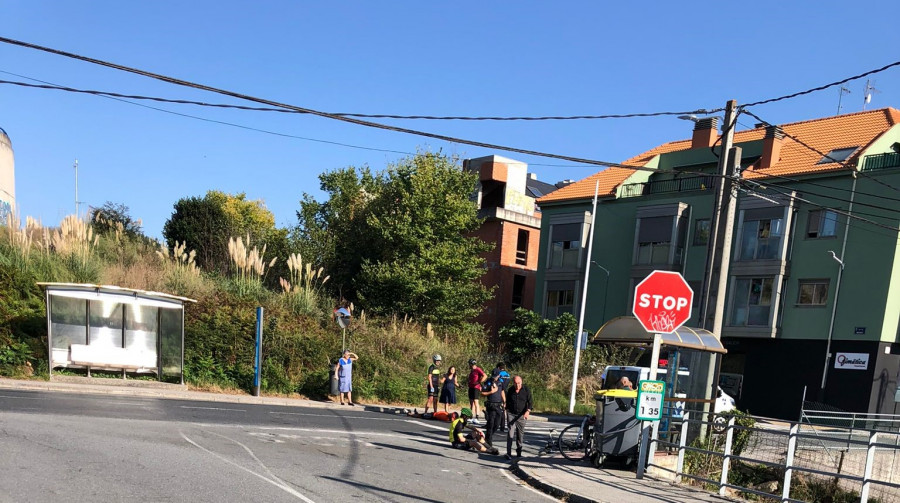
(837,291)
(584,289)
(605,292)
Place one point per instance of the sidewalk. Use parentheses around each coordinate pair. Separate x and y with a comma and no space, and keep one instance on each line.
(580,482)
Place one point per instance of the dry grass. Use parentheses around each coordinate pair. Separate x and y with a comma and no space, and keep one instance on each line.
(304,290)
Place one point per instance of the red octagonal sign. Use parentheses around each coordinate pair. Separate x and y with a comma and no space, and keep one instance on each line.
(662,302)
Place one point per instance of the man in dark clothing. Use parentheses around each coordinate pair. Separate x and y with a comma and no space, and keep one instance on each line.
(503,380)
(493,405)
(518,408)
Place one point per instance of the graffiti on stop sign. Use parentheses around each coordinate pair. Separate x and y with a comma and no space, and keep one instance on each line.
(664,320)
(662,302)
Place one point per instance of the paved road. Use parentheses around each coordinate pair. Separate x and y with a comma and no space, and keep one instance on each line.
(78,447)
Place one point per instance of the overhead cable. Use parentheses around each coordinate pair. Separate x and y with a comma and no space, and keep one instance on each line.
(826,86)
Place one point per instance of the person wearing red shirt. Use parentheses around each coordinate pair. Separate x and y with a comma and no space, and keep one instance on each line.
(476,377)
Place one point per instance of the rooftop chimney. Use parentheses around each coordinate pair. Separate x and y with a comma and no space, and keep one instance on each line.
(771,147)
(705,132)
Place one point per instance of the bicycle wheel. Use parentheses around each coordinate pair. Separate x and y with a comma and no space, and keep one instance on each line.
(572,442)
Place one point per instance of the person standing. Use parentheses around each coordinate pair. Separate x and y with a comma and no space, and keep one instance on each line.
(448,388)
(503,379)
(343,372)
(476,377)
(494,397)
(433,383)
(518,408)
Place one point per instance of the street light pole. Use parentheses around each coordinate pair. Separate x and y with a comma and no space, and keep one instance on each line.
(587,270)
(605,292)
(837,291)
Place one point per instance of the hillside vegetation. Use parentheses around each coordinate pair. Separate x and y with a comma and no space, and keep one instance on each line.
(409,322)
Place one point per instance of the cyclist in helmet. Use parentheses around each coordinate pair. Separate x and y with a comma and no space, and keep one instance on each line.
(473,440)
(433,383)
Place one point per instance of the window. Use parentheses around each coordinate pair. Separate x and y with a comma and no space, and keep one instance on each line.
(517,290)
(761,233)
(565,245)
(522,248)
(837,155)
(813,292)
(821,224)
(701,232)
(654,240)
(752,303)
(560,299)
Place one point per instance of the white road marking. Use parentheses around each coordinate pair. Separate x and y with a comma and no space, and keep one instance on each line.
(506,474)
(275,483)
(367,418)
(212,408)
(342,433)
(24,397)
(432,426)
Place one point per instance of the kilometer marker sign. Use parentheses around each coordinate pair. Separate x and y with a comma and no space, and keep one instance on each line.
(650,400)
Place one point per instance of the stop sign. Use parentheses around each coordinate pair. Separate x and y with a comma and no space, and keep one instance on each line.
(662,302)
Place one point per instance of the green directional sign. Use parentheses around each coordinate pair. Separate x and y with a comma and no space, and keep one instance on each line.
(650,400)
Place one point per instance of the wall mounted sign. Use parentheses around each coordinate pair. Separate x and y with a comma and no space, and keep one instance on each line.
(851,361)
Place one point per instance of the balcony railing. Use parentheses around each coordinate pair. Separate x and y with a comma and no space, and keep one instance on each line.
(685,184)
(881,161)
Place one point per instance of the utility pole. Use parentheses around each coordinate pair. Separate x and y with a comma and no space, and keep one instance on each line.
(719,223)
(718,255)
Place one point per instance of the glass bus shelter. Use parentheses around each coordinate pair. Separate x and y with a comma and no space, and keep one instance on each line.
(112,328)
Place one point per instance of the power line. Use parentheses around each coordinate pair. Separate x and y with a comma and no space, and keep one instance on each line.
(826,86)
(804,200)
(225,123)
(345,114)
(351,120)
(824,155)
(841,199)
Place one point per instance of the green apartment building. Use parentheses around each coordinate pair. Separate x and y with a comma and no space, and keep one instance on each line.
(794,252)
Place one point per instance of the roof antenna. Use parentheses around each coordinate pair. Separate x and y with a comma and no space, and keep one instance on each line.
(841,94)
(870,90)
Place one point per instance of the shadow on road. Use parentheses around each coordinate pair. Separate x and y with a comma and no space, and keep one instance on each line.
(372,489)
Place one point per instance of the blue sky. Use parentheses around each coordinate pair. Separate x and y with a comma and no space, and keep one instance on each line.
(433,58)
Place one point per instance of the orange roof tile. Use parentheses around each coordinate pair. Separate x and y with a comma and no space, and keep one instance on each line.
(826,134)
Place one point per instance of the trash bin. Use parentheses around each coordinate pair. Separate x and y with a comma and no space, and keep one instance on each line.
(616,432)
(335,388)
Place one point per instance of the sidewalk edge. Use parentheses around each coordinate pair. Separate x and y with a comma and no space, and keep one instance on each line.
(550,489)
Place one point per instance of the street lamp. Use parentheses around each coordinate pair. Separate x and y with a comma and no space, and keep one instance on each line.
(605,291)
(837,291)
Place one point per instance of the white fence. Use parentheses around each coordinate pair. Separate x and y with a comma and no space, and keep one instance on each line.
(853,459)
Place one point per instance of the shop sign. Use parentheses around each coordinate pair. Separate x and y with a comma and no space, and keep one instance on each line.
(851,361)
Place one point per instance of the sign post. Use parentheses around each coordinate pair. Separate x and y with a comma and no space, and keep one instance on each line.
(662,304)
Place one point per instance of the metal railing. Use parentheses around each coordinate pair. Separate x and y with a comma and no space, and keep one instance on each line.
(881,161)
(799,456)
(684,184)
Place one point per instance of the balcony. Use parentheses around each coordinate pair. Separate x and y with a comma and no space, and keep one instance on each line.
(685,184)
(881,161)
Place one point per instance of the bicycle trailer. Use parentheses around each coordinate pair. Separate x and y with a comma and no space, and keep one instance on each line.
(617,431)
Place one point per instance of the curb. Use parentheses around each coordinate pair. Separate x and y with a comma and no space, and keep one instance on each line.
(552,490)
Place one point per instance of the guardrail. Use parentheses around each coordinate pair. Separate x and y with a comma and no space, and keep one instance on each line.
(792,461)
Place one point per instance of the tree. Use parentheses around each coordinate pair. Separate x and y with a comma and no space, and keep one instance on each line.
(206,223)
(397,242)
(528,334)
(114,216)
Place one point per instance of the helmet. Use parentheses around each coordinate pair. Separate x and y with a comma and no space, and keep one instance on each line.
(466,412)
(436,357)
(472,361)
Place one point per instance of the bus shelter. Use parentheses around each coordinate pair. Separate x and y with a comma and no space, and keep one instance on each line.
(687,360)
(112,328)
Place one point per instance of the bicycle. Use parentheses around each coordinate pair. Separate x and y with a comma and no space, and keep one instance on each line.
(575,440)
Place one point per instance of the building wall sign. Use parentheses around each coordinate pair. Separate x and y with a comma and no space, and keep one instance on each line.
(852,361)
(859,331)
